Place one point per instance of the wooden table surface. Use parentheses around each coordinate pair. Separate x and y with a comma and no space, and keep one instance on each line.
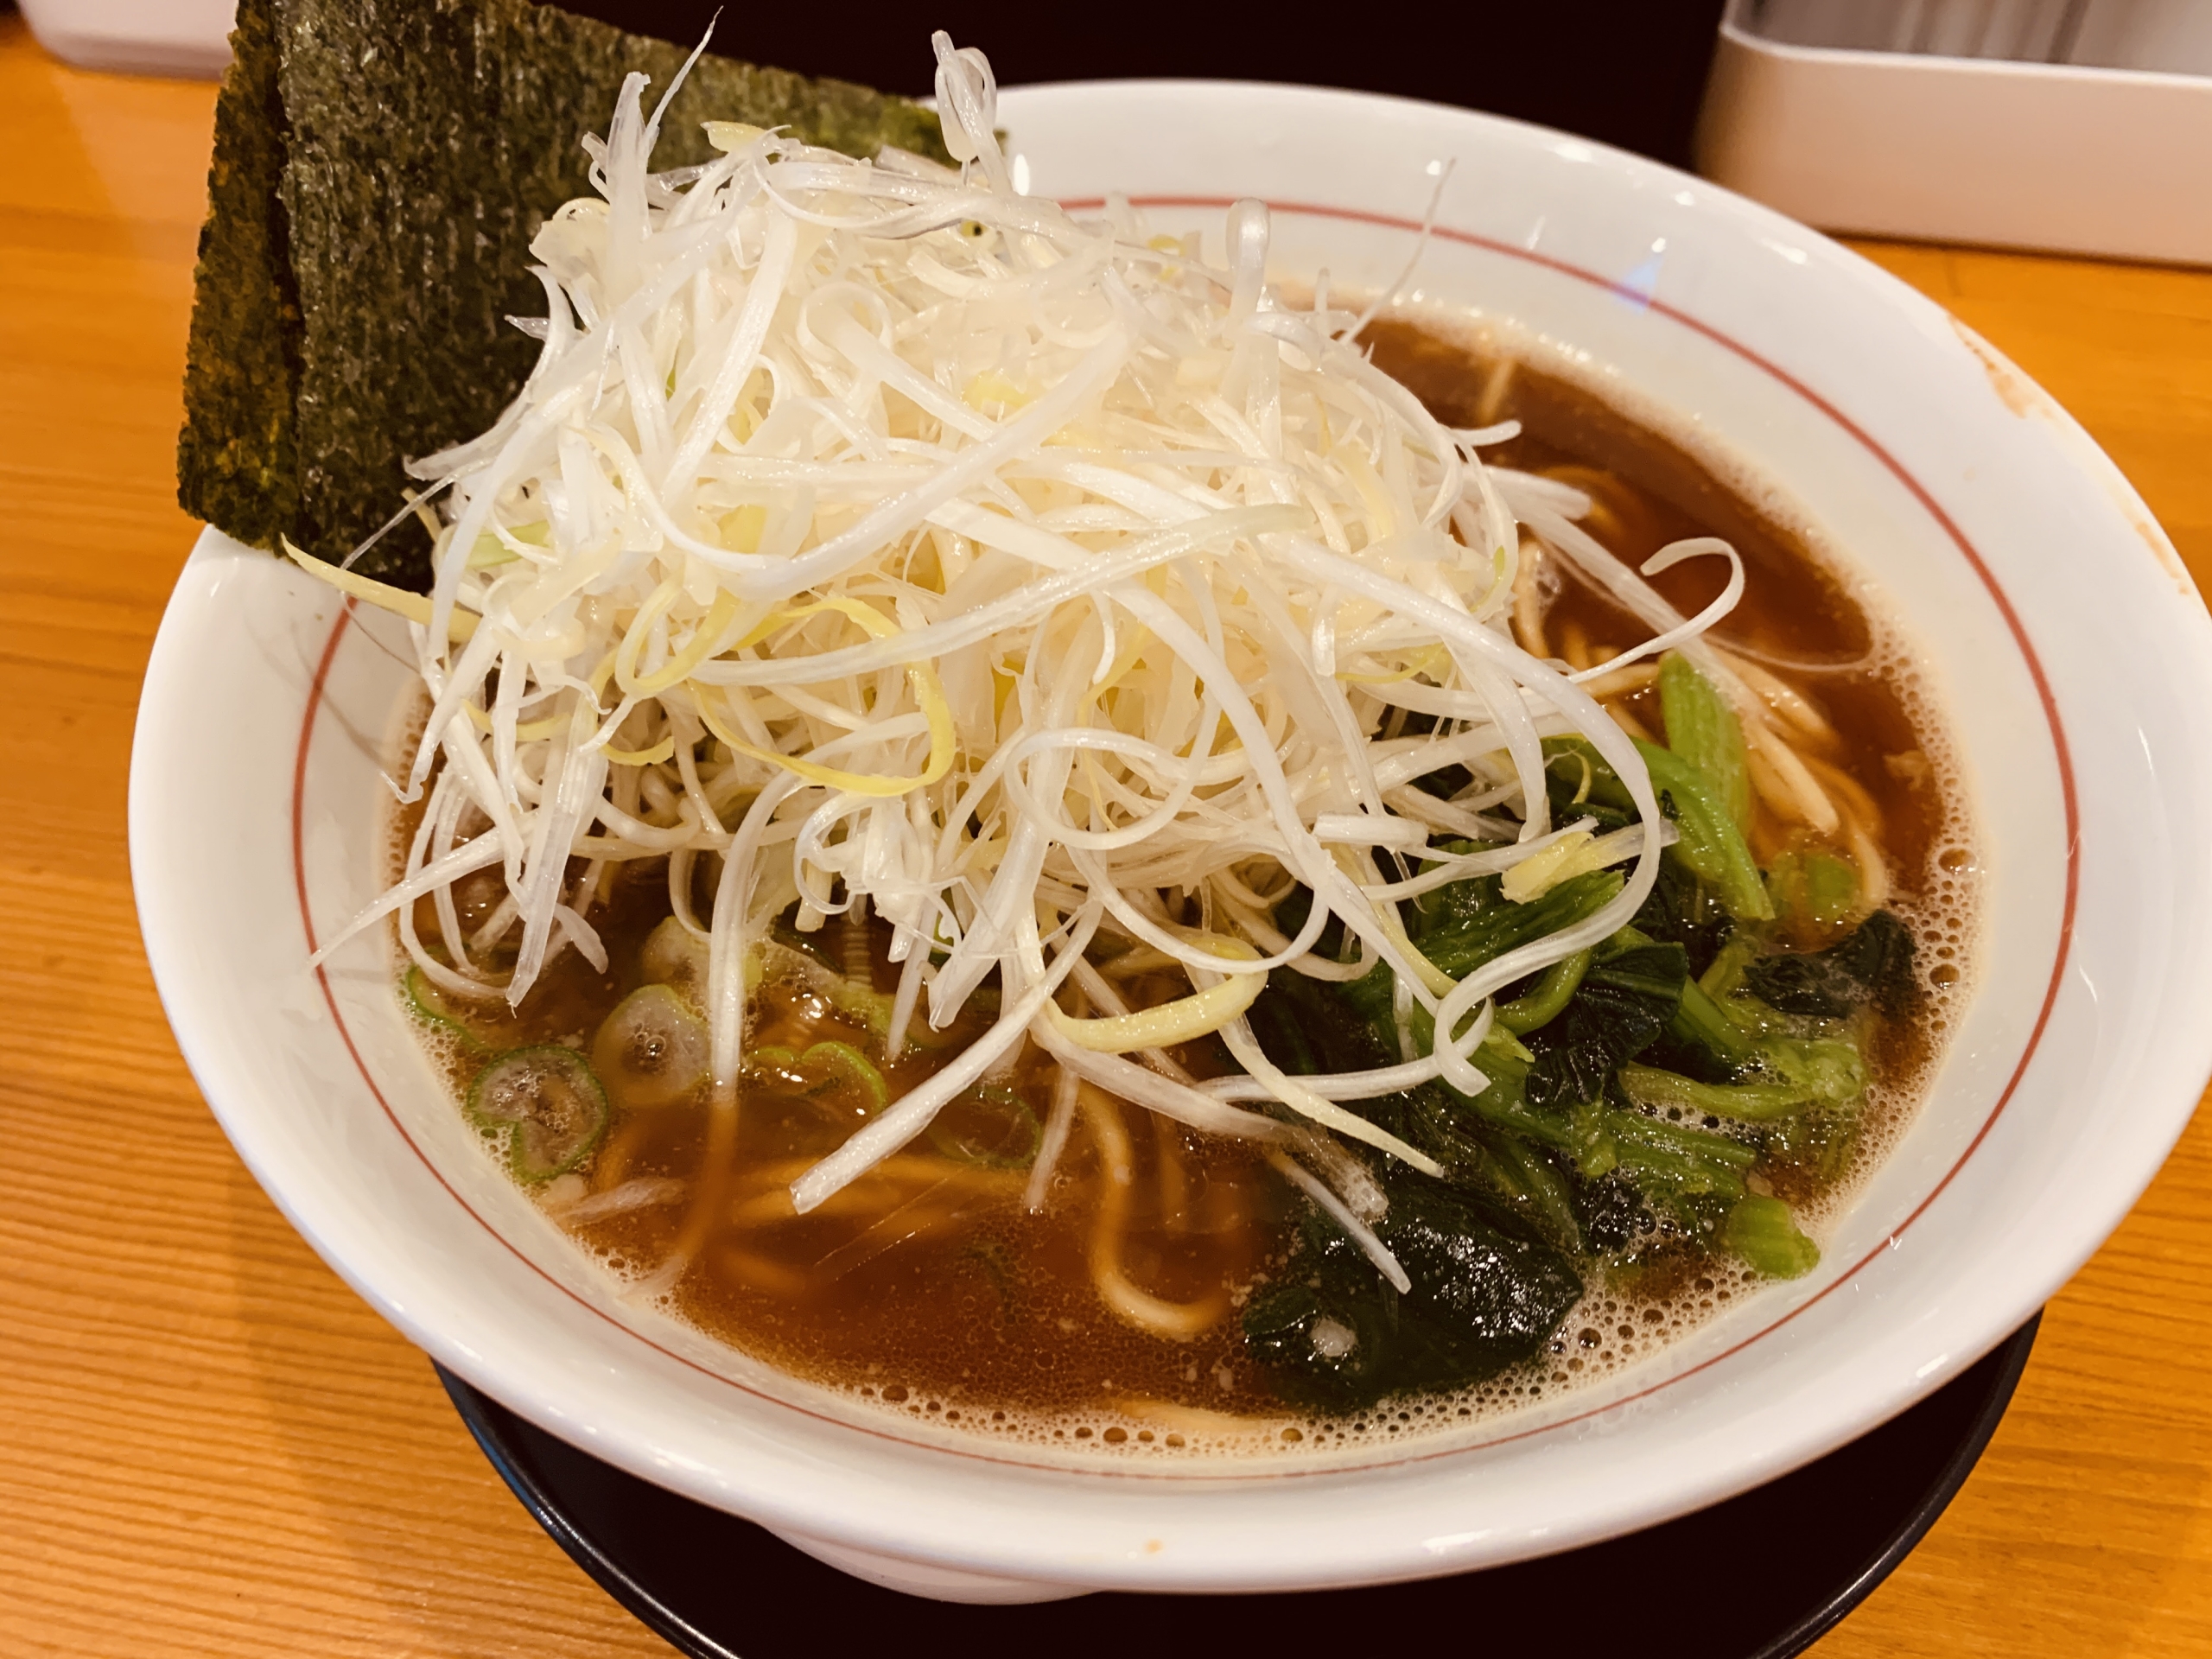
(209,1446)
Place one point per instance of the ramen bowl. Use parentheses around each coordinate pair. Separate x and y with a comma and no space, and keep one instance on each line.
(2047,614)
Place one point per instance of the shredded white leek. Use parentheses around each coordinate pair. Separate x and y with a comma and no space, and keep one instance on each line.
(1017,575)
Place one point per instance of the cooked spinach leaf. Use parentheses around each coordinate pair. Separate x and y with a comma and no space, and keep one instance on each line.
(1682,909)
(1704,731)
(1813,890)
(1872,965)
(1485,1295)
(1547,995)
(1612,1212)
(1633,1126)
(1623,1002)
(1580,785)
(1763,1232)
(1710,845)
(1833,1074)
(1468,925)
(1460,937)
(1709,842)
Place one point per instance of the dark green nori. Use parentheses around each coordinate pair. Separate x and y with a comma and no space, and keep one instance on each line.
(236,463)
(380,168)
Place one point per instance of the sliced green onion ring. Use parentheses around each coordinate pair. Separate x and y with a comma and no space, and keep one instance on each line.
(852,1078)
(429,1005)
(549,1104)
(652,1049)
(1014,1147)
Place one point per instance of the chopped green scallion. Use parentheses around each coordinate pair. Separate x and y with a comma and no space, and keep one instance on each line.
(549,1104)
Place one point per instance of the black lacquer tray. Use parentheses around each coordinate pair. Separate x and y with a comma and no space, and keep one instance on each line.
(1761,1576)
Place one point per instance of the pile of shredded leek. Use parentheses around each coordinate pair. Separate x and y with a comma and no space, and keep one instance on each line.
(872,536)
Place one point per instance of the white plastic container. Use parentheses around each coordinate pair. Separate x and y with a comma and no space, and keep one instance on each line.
(2067,156)
(189,38)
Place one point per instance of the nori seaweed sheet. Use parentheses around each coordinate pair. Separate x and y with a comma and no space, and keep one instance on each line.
(237,464)
(380,167)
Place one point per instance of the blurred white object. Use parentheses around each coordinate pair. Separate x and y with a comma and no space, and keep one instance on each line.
(1963,28)
(1812,108)
(136,37)
(2159,34)
(2172,34)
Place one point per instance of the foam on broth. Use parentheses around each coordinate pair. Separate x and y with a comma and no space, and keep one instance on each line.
(931,1294)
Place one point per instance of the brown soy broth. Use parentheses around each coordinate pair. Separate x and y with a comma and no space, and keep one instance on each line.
(931,1280)
(932,1277)
(928,1284)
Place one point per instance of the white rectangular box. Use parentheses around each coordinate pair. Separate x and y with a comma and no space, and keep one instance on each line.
(188,38)
(2063,156)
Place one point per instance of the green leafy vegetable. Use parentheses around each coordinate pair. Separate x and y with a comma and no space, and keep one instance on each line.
(1580,782)
(1684,1159)
(1813,889)
(1484,1296)
(1612,1212)
(1763,1232)
(1458,941)
(1492,1143)
(1704,731)
(1682,909)
(1732,1037)
(1724,975)
(1872,965)
(1599,1142)
(1710,844)
(1751,1103)
(1547,998)
(1325,1343)
(1828,1069)
(1533,1186)
(1306,1026)
(1625,1002)
(1468,925)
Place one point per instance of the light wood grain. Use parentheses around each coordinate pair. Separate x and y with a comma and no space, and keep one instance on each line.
(208,1446)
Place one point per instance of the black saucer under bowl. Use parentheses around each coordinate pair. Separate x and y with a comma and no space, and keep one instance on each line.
(1761,1576)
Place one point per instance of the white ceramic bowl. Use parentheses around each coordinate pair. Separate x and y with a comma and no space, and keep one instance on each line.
(2073,658)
